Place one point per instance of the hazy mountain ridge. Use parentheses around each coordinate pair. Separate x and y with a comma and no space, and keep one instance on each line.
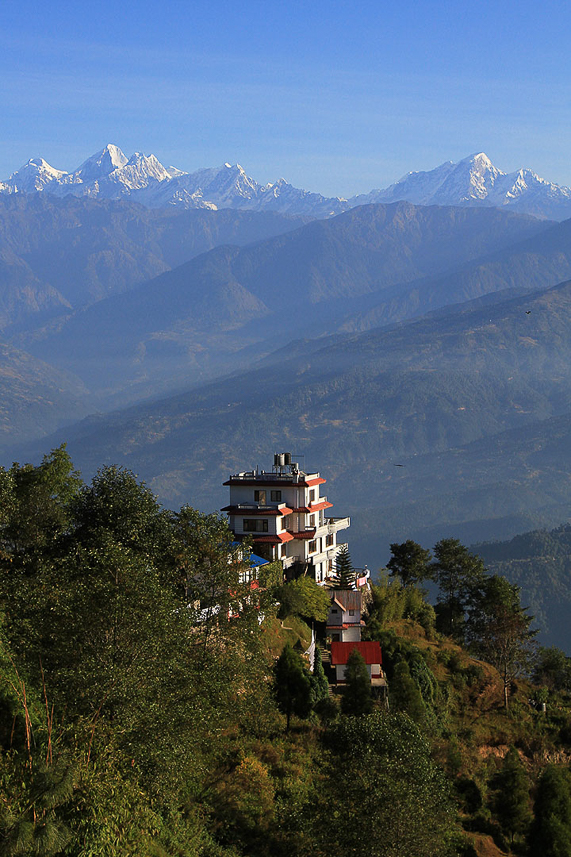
(110,174)
(59,255)
(207,315)
(35,398)
(466,403)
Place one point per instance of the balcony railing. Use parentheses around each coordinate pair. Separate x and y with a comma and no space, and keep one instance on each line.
(335,524)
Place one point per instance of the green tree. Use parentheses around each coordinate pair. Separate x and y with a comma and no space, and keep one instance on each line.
(35,503)
(404,694)
(292,687)
(458,573)
(381,777)
(319,683)
(344,569)
(552,668)
(410,563)
(509,799)
(551,829)
(357,698)
(303,597)
(499,630)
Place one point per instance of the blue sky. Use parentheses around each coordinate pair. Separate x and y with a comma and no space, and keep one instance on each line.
(334,96)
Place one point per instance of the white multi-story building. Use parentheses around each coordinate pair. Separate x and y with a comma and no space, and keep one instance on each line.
(283,512)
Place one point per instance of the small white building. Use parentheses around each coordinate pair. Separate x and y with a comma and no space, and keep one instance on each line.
(283,511)
(345,621)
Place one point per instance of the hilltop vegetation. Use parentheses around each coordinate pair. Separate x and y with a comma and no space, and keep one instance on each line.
(136,717)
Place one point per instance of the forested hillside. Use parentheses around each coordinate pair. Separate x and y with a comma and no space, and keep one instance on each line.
(144,710)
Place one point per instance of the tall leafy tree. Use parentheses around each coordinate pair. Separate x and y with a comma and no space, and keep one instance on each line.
(410,562)
(552,668)
(381,776)
(357,698)
(35,504)
(499,629)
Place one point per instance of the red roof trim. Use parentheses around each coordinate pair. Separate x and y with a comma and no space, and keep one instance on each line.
(317,507)
(304,534)
(319,480)
(371,651)
(271,539)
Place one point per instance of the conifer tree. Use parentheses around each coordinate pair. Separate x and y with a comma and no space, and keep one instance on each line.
(357,696)
(291,685)
(344,569)
(510,795)
(319,683)
(404,694)
(551,830)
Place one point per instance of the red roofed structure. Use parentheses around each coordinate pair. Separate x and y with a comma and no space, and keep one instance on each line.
(371,653)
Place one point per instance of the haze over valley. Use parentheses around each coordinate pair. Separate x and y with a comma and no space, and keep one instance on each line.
(416,353)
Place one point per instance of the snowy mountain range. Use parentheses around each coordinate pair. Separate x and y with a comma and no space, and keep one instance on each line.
(109,174)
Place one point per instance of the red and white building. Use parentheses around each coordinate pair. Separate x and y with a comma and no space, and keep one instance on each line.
(283,512)
(371,652)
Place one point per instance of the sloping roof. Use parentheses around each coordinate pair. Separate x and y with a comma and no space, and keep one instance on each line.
(348,599)
(371,652)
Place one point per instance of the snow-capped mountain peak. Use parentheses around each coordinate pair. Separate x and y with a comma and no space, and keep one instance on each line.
(34,176)
(101,164)
(109,174)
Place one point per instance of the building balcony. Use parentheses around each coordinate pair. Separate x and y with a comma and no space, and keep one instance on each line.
(335,524)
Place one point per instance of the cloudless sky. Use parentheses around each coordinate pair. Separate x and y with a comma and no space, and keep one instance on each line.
(337,97)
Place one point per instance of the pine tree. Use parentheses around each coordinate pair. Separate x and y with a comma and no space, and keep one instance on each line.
(404,693)
(344,569)
(319,683)
(510,795)
(357,696)
(291,685)
(551,831)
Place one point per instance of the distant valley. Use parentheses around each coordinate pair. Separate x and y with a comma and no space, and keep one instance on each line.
(418,355)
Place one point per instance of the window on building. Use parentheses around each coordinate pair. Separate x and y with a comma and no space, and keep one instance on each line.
(312,520)
(283,550)
(329,541)
(260,497)
(334,610)
(329,565)
(275,496)
(351,612)
(255,525)
(312,546)
(312,495)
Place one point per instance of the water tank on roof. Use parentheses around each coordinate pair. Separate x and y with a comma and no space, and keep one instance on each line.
(287,457)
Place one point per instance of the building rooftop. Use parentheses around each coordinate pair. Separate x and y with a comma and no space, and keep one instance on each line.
(371,652)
